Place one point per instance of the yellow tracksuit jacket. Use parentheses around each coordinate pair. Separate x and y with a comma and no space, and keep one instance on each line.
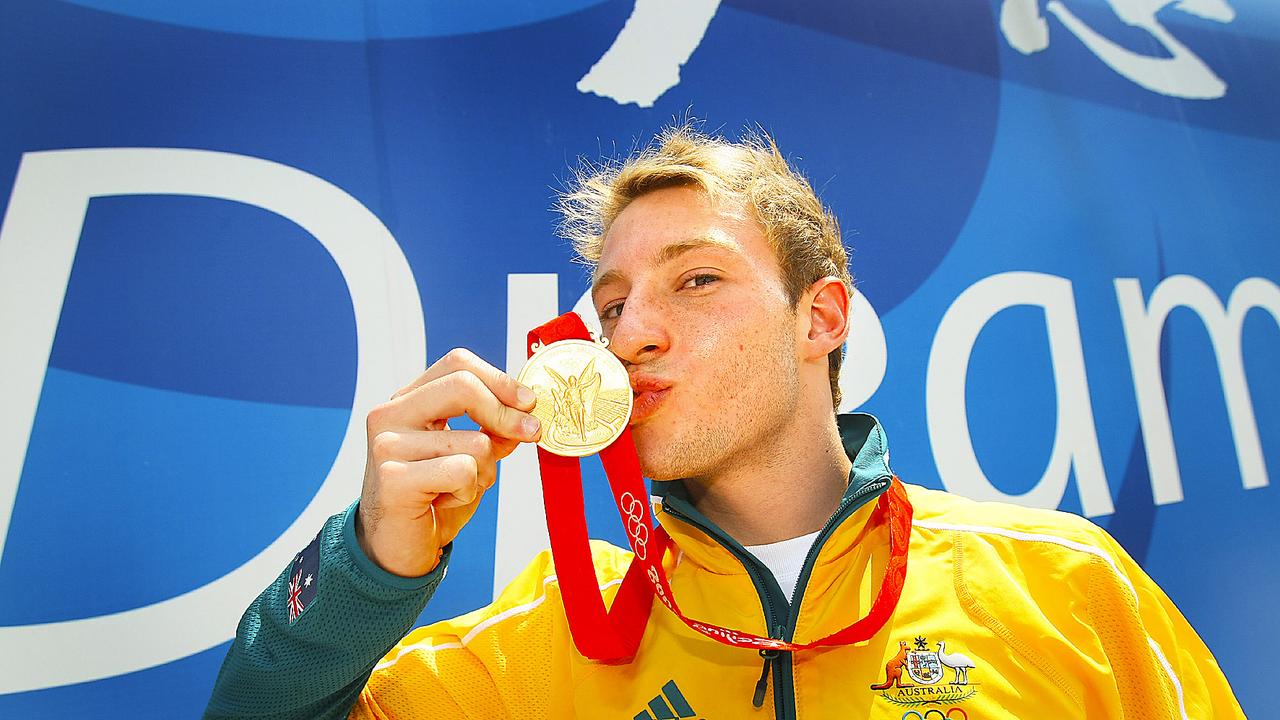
(1007,612)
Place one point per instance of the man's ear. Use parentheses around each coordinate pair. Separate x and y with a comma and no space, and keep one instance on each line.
(825,307)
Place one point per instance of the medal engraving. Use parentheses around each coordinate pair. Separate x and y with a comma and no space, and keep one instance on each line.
(584,396)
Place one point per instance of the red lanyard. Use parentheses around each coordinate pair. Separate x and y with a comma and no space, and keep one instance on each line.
(613,636)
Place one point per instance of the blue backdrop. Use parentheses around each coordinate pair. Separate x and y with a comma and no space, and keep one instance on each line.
(1061,217)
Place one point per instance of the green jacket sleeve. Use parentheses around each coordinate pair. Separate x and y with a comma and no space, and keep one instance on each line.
(316,666)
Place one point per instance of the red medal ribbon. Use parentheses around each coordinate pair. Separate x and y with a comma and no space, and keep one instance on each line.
(613,636)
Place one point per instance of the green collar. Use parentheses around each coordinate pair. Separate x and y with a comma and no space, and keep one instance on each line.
(864,442)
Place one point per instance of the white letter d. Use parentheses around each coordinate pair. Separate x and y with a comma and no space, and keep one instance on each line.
(38,242)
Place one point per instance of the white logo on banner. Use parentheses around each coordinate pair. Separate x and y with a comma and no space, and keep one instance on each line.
(1182,74)
(38,241)
(644,60)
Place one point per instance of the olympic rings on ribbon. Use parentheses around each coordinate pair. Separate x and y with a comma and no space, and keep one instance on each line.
(911,712)
(964,715)
(636,526)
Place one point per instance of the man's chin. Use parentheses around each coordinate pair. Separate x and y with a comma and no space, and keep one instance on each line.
(666,461)
(655,456)
(654,469)
(659,474)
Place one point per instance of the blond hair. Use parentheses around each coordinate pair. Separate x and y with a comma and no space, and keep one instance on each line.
(750,174)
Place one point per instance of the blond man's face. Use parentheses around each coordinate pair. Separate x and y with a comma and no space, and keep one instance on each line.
(692,301)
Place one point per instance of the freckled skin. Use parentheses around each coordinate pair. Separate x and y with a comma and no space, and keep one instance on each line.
(680,321)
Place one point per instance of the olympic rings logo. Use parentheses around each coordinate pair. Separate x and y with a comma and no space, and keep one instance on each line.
(935,713)
(637,528)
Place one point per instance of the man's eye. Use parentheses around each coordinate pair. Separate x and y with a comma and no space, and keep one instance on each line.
(612,311)
(700,280)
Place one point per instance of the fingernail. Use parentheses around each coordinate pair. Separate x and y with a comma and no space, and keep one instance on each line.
(525,396)
(530,425)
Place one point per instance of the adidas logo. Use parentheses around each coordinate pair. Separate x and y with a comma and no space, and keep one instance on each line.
(667,705)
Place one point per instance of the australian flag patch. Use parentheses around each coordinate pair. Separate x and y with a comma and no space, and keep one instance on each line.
(304,579)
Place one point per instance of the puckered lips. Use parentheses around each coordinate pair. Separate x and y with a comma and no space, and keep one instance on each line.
(650,391)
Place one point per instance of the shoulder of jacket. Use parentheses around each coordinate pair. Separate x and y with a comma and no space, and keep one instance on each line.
(534,590)
(609,560)
(1005,523)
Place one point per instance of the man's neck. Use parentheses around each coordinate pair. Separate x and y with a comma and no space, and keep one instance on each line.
(782,491)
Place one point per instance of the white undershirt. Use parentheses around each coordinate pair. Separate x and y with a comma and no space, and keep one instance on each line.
(785,559)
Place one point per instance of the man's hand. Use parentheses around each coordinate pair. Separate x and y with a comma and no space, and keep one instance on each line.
(424,480)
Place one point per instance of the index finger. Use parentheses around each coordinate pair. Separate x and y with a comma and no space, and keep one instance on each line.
(460,392)
(503,386)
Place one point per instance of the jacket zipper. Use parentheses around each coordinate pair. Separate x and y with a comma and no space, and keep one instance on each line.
(846,508)
(770,599)
(771,596)
(762,685)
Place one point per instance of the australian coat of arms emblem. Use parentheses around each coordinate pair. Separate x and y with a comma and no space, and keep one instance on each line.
(917,675)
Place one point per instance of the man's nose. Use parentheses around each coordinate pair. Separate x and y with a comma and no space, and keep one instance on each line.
(640,332)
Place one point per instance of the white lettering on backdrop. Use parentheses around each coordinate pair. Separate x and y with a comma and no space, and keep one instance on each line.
(1143,325)
(1075,444)
(38,241)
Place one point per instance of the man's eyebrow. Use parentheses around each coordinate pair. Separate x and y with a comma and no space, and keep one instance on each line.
(609,276)
(670,252)
(676,249)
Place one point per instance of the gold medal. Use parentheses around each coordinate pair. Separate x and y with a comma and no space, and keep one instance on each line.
(584,395)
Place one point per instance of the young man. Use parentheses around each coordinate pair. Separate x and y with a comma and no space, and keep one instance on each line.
(721,282)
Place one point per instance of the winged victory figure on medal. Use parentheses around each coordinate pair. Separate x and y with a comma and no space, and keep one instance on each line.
(580,409)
